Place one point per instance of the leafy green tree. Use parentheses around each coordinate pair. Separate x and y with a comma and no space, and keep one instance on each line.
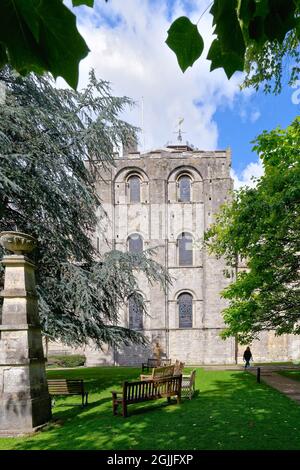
(54,144)
(262,225)
(260,37)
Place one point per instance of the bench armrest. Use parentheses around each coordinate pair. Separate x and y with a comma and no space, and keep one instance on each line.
(145,377)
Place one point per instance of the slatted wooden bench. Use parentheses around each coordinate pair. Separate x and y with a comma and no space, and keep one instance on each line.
(159,373)
(146,390)
(68,387)
(188,384)
(153,362)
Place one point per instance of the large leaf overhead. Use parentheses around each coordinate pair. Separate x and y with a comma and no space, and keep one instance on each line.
(228,50)
(41,35)
(184,39)
(239,26)
(266,20)
(226,59)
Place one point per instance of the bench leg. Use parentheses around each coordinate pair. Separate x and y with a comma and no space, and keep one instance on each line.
(124,409)
(115,407)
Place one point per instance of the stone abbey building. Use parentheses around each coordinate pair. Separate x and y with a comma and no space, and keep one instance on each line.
(167,199)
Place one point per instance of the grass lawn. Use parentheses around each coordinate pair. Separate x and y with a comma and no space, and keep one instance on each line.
(291,374)
(231,411)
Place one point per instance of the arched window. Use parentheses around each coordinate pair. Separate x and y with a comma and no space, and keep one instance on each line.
(185,249)
(185,310)
(135,314)
(184,186)
(135,243)
(134,185)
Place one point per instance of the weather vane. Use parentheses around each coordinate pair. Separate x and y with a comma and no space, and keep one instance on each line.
(179,132)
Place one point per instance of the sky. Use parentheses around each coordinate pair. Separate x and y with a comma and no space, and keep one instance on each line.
(127,47)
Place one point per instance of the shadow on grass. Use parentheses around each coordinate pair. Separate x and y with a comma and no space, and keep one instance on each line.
(97,379)
(230,411)
(64,402)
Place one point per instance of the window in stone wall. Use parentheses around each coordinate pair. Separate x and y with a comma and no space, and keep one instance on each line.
(185,310)
(185,249)
(135,314)
(134,185)
(135,243)
(184,186)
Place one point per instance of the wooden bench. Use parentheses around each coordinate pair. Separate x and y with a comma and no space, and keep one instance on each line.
(159,373)
(152,362)
(146,390)
(188,384)
(67,387)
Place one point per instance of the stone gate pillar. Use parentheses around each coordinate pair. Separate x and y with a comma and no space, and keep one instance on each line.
(24,400)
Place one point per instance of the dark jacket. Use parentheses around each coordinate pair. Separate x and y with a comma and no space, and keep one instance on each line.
(247,355)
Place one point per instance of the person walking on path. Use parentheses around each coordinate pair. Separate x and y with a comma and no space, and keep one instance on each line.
(247,357)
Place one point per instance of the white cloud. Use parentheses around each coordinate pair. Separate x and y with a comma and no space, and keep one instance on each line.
(131,53)
(255,115)
(127,43)
(252,170)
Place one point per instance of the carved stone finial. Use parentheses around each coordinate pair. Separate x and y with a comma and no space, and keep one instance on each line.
(18,242)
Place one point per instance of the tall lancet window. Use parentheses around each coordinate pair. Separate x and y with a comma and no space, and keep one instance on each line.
(184,186)
(185,310)
(135,314)
(135,243)
(185,249)
(134,185)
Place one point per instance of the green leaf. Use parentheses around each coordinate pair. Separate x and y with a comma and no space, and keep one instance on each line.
(77,3)
(64,45)
(245,10)
(21,48)
(41,35)
(184,39)
(264,20)
(28,12)
(227,27)
(228,50)
(262,7)
(280,19)
(225,59)
(256,30)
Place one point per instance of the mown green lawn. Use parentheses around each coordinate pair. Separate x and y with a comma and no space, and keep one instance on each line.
(291,374)
(231,411)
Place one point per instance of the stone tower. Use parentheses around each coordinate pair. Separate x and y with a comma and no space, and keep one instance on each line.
(166,199)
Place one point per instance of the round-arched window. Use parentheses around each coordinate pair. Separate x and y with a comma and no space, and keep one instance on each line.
(135,314)
(135,243)
(185,249)
(134,185)
(185,310)
(184,188)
